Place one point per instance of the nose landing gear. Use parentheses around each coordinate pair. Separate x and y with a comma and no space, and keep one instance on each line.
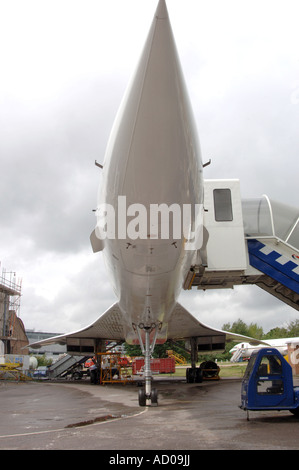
(143,397)
(147,394)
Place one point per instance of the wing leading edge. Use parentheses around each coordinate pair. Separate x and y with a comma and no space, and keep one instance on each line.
(183,325)
(112,325)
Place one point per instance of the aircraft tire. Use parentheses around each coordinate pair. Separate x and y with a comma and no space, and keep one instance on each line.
(154,397)
(199,375)
(192,375)
(188,375)
(141,397)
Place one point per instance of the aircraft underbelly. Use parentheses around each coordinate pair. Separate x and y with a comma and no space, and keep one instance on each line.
(152,159)
(150,279)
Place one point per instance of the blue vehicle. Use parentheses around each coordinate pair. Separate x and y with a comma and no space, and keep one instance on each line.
(268,383)
(41,372)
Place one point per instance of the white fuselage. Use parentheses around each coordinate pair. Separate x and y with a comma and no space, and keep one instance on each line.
(281,344)
(153,157)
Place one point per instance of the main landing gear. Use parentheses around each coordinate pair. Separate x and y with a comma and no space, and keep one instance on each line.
(194,375)
(206,370)
(147,395)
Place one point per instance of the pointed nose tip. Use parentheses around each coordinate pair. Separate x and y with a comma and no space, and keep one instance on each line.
(161,12)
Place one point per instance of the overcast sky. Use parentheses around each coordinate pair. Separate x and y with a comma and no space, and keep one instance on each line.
(65,65)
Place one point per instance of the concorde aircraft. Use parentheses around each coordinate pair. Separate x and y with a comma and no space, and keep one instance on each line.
(160,226)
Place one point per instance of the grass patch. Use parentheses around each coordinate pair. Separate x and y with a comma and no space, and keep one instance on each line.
(227,369)
(232,370)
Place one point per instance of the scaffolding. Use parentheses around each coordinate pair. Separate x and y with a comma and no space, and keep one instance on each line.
(113,369)
(10,299)
(11,371)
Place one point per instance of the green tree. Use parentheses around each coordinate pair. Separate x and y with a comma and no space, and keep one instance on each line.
(160,349)
(293,329)
(133,350)
(290,331)
(240,327)
(275,333)
(255,331)
(43,361)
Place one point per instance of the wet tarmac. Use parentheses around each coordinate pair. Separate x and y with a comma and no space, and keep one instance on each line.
(81,416)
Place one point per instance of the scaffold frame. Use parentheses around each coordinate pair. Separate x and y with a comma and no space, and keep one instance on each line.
(112,370)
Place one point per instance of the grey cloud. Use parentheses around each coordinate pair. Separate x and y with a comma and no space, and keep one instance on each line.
(244,107)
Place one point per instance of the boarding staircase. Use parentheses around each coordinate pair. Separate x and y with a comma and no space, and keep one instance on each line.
(271,245)
(179,359)
(276,260)
(237,355)
(64,365)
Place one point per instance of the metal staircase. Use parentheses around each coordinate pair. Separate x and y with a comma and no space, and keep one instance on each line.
(179,359)
(65,364)
(237,354)
(274,259)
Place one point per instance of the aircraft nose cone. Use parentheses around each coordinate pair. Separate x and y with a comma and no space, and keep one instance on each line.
(154,135)
(161,12)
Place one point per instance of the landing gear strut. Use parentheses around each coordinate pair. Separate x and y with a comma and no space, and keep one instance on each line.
(147,394)
(194,374)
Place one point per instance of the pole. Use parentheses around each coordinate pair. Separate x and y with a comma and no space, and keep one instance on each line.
(147,363)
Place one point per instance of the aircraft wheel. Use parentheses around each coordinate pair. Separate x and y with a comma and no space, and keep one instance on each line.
(199,376)
(141,397)
(191,375)
(154,397)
